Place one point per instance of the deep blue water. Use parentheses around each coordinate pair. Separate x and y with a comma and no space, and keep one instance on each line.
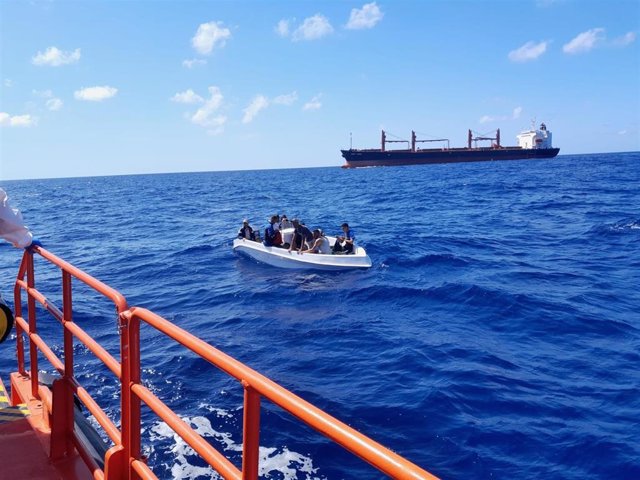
(496,336)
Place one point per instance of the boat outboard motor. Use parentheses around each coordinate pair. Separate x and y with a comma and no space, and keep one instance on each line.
(6,320)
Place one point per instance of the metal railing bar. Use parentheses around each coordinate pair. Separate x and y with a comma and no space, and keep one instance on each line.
(102,354)
(218,461)
(47,352)
(86,457)
(46,397)
(106,358)
(98,413)
(115,296)
(143,470)
(34,337)
(42,299)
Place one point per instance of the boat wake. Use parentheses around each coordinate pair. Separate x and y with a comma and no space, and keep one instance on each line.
(275,462)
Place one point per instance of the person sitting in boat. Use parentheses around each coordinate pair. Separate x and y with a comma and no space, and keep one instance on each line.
(320,243)
(345,241)
(272,237)
(302,236)
(246,231)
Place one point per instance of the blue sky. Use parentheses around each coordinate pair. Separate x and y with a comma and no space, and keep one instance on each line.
(107,88)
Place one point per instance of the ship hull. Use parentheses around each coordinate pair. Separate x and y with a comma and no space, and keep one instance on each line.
(378,158)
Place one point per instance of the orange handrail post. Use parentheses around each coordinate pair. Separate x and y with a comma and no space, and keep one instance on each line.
(31,302)
(251,433)
(61,420)
(17,305)
(130,347)
(62,401)
(67,311)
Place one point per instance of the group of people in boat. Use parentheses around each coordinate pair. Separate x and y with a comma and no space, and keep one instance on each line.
(298,237)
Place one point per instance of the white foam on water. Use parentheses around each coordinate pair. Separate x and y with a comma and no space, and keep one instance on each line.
(274,462)
(289,464)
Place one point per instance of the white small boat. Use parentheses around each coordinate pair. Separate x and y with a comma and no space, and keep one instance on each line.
(282,257)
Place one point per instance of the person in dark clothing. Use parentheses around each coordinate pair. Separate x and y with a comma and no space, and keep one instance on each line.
(271,234)
(302,236)
(345,242)
(246,231)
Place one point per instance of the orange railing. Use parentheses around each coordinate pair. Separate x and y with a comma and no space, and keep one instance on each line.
(124,459)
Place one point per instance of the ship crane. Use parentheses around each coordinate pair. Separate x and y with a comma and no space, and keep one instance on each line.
(471,139)
(414,141)
(384,141)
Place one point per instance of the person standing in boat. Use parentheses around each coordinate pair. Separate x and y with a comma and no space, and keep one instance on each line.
(345,242)
(246,231)
(302,236)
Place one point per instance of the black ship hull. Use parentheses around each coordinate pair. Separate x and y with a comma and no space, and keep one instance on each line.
(379,158)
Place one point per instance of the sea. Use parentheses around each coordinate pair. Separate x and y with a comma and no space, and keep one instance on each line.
(496,336)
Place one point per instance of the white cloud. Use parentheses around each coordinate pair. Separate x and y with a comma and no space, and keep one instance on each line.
(282,28)
(54,104)
(288,99)
(95,94)
(501,118)
(206,116)
(260,102)
(313,104)
(188,96)
(528,51)
(54,57)
(8,82)
(366,17)
(194,62)
(209,36)
(313,28)
(622,132)
(585,41)
(7,120)
(626,39)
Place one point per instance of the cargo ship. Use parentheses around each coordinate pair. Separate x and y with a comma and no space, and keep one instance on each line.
(534,143)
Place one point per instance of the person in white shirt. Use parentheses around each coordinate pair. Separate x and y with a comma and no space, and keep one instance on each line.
(12,227)
(13,230)
(320,243)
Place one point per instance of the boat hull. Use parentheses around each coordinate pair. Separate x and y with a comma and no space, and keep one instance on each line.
(378,158)
(281,257)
